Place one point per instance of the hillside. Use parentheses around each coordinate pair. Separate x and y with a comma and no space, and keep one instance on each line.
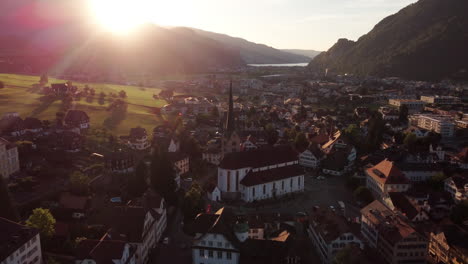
(253,53)
(308,53)
(149,50)
(19,96)
(425,41)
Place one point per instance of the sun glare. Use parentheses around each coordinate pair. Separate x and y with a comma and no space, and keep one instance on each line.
(122,16)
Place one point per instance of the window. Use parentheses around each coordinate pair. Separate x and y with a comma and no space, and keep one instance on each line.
(299,181)
(237,180)
(220,254)
(210,253)
(228,181)
(253,191)
(282,185)
(220,244)
(264,189)
(290,182)
(202,253)
(274,186)
(202,243)
(228,255)
(210,243)
(226,245)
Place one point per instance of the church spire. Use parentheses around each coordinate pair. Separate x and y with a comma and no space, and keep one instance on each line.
(230,113)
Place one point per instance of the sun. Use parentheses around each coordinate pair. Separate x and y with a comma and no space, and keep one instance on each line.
(122,16)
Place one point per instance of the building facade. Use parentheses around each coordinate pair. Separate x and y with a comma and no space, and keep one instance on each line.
(9,161)
(19,244)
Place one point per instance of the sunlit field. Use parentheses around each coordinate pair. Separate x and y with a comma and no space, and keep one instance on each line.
(19,96)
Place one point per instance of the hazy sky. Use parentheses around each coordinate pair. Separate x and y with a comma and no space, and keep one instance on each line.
(301,24)
(306,24)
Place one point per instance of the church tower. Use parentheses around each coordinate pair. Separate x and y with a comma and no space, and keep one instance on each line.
(231,140)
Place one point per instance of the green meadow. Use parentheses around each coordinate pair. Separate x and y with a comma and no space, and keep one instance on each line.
(19,96)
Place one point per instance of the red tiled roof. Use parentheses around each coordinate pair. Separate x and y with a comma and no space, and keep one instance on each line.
(259,158)
(260,177)
(387,173)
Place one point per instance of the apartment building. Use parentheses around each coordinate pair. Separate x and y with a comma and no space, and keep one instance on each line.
(442,125)
(414,106)
(436,99)
(19,244)
(9,161)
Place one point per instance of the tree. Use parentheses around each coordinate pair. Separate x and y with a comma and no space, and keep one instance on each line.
(363,194)
(376,127)
(193,203)
(459,214)
(163,176)
(137,185)
(410,141)
(79,183)
(7,207)
(352,133)
(301,141)
(122,94)
(44,79)
(437,181)
(271,134)
(42,220)
(403,117)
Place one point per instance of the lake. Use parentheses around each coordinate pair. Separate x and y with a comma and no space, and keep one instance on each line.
(281,65)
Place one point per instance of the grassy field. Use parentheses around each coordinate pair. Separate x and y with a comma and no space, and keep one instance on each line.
(19,96)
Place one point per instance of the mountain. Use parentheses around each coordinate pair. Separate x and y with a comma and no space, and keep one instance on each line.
(308,53)
(424,41)
(253,53)
(73,49)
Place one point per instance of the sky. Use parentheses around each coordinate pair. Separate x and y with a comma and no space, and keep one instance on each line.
(285,24)
(298,24)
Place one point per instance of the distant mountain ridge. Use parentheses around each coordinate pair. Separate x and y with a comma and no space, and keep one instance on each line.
(308,53)
(424,41)
(253,53)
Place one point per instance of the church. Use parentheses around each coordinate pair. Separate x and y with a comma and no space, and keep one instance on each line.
(264,173)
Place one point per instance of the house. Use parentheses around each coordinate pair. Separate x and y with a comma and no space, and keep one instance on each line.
(419,132)
(419,172)
(336,163)
(132,224)
(33,125)
(69,141)
(181,162)
(90,251)
(138,139)
(213,193)
(223,237)
(76,206)
(77,118)
(393,237)
(457,186)
(12,126)
(156,205)
(311,157)
(407,207)
(260,174)
(212,156)
(9,161)
(250,143)
(330,233)
(120,162)
(447,244)
(19,243)
(386,177)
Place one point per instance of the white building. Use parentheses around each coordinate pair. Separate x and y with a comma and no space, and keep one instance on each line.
(442,125)
(414,106)
(91,251)
(214,242)
(19,244)
(311,157)
(436,99)
(385,177)
(330,233)
(9,161)
(138,139)
(260,174)
(457,186)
